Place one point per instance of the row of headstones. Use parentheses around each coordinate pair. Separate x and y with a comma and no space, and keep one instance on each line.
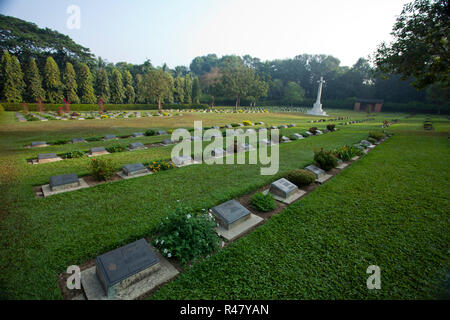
(120,269)
(20,117)
(329,120)
(356,121)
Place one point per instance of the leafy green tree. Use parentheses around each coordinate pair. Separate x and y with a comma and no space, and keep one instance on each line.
(102,85)
(211,84)
(11,78)
(130,95)
(85,86)
(52,81)
(438,94)
(70,84)
(158,86)
(140,89)
(293,93)
(187,89)
(33,82)
(196,91)
(420,46)
(27,40)
(116,86)
(179,90)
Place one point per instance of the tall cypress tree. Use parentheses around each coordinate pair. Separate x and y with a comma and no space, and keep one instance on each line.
(196,91)
(187,90)
(11,78)
(116,87)
(33,82)
(102,85)
(85,88)
(70,84)
(52,81)
(179,90)
(129,90)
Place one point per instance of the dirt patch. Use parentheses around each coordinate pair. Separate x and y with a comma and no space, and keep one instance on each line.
(91,181)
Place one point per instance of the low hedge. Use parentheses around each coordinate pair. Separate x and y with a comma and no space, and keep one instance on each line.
(94,107)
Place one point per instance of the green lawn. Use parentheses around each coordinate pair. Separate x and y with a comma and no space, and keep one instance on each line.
(41,237)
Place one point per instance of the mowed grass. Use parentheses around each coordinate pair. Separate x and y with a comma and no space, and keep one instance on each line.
(390,209)
(40,238)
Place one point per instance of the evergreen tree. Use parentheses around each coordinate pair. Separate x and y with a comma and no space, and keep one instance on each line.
(116,86)
(52,81)
(86,89)
(33,82)
(179,90)
(102,85)
(11,78)
(196,91)
(129,90)
(187,90)
(70,84)
(140,90)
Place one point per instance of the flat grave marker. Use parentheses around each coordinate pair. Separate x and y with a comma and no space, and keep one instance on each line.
(97,151)
(321,175)
(47,157)
(284,191)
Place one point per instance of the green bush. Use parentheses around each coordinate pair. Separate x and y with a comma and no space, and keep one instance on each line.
(72,155)
(301,177)
(101,169)
(263,202)
(92,139)
(331,127)
(59,142)
(372,140)
(235,125)
(1,108)
(186,236)
(313,130)
(161,165)
(325,160)
(150,132)
(116,148)
(377,135)
(345,153)
(247,123)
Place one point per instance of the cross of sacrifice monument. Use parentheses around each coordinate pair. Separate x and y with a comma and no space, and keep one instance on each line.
(317,107)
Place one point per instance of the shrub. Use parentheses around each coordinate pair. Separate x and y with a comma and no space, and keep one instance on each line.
(59,142)
(116,148)
(372,140)
(313,130)
(150,132)
(73,155)
(92,139)
(331,127)
(325,160)
(345,153)
(301,177)
(101,169)
(235,125)
(247,123)
(263,202)
(161,165)
(186,236)
(377,135)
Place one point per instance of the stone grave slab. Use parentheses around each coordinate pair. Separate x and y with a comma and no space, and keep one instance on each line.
(97,151)
(110,137)
(37,144)
(63,183)
(168,141)
(47,157)
(133,170)
(138,134)
(285,139)
(284,191)
(136,146)
(127,273)
(78,140)
(234,219)
(341,164)
(367,144)
(308,133)
(291,125)
(298,136)
(181,161)
(321,175)
(161,132)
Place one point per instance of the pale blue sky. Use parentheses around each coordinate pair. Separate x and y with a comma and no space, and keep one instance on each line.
(176,31)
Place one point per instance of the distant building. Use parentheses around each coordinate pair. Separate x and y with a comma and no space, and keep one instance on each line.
(370,105)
